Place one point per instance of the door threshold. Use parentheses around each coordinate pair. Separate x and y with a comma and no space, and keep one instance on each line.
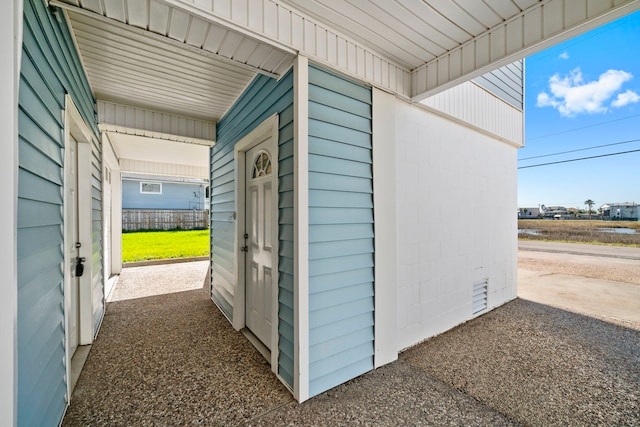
(77,363)
(259,345)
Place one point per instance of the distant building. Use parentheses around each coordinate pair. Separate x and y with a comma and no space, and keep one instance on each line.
(621,211)
(556,212)
(528,213)
(156,192)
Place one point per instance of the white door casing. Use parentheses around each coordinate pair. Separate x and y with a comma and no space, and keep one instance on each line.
(265,134)
(258,247)
(78,306)
(71,238)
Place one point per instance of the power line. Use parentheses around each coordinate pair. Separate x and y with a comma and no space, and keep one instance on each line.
(579,149)
(583,127)
(576,160)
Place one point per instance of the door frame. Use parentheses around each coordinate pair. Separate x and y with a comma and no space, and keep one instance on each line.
(268,128)
(74,125)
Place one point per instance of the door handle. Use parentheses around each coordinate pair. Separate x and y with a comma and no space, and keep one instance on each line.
(80,266)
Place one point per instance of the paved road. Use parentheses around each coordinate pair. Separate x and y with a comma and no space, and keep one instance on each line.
(599,281)
(580,249)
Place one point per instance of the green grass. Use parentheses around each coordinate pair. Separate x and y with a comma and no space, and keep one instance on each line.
(148,245)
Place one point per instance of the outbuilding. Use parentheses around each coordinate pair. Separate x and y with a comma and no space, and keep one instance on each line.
(343,142)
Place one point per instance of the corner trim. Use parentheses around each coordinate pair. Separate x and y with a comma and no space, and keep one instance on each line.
(301,228)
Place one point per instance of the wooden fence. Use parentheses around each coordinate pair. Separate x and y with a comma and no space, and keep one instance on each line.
(164,219)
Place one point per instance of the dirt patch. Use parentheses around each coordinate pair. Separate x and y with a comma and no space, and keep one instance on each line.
(586,268)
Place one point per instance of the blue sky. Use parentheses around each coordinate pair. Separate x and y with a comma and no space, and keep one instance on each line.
(580,94)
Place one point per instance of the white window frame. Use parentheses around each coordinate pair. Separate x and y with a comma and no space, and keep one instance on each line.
(142,183)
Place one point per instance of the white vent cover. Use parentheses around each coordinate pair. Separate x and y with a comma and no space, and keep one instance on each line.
(479,298)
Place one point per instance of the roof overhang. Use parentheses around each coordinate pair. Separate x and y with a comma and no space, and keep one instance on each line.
(194,57)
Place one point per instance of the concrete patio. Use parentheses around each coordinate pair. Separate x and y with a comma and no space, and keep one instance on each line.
(173,359)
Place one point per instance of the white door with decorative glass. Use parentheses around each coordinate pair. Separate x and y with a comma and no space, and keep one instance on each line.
(259,217)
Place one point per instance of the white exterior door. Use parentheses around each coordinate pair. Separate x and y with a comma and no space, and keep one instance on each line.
(71,183)
(259,229)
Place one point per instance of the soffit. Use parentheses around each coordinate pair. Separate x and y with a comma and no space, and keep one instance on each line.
(413,48)
(411,32)
(148,54)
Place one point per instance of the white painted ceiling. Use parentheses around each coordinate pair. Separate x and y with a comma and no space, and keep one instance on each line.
(412,32)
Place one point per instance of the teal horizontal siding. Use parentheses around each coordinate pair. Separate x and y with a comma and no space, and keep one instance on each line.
(262,98)
(334,232)
(341,245)
(50,68)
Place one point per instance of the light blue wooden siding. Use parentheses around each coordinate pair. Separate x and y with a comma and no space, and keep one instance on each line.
(50,68)
(341,310)
(262,98)
(506,83)
(174,196)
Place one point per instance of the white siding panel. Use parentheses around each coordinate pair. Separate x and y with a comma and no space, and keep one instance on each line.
(138,121)
(164,169)
(291,30)
(158,16)
(476,106)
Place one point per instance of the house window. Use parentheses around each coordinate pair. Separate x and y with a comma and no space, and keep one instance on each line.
(151,187)
(261,165)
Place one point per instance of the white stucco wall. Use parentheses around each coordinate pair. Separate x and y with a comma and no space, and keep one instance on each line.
(456,198)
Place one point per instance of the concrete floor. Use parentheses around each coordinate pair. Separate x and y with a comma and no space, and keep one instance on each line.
(173,359)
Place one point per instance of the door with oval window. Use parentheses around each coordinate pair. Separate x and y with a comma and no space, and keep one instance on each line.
(260,204)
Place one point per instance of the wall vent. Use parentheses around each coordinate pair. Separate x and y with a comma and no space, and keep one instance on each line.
(479,298)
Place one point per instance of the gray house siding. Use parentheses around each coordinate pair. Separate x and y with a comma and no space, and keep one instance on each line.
(50,68)
(341,246)
(506,83)
(174,196)
(262,98)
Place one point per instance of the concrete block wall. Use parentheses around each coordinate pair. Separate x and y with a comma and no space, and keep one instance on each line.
(456,192)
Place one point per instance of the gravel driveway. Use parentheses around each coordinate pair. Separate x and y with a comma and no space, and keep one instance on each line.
(523,363)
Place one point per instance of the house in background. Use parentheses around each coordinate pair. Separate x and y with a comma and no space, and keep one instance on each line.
(529,213)
(339,139)
(164,203)
(556,212)
(621,211)
(158,192)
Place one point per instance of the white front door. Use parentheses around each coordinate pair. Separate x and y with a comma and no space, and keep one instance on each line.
(71,183)
(259,229)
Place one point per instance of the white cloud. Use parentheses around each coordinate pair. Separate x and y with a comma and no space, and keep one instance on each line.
(564,55)
(571,95)
(626,98)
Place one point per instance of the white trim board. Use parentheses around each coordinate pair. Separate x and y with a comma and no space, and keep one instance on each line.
(268,128)
(11,48)
(301,228)
(76,127)
(385,226)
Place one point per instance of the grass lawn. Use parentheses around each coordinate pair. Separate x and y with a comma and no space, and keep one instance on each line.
(147,245)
